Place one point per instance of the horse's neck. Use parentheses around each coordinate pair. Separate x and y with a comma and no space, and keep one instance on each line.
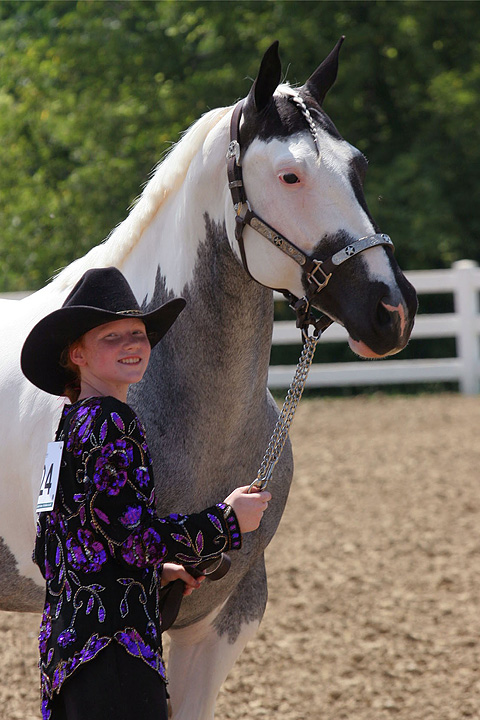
(217,353)
(204,397)
(171,238)
(207,378)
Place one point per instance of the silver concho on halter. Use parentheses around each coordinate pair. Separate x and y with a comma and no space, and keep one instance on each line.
(360,245)
(233,151)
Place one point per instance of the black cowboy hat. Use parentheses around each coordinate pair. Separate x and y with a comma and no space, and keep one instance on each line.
(100,296)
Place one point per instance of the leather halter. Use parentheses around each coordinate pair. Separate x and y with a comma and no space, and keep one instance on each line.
(318,272)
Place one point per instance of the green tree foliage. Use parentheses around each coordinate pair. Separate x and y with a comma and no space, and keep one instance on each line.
(93,93)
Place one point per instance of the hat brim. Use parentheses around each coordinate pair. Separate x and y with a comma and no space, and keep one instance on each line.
(41,352)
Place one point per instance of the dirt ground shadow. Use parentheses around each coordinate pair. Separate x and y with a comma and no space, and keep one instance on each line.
(374,575)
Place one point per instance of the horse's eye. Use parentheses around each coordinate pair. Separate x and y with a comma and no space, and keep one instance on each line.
(290,178)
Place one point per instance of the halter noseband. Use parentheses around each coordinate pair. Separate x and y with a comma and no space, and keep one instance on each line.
(318,272)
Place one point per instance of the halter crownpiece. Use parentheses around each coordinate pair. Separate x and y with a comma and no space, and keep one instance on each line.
(318,272)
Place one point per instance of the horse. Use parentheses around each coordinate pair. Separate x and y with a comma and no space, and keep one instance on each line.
(194,231)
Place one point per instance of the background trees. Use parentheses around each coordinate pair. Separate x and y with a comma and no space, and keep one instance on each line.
(92,94)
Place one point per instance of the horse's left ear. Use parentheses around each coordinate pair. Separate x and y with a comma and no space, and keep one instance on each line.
(325,75)
(268,78)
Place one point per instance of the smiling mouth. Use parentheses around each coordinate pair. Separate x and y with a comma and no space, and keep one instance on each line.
(130,361)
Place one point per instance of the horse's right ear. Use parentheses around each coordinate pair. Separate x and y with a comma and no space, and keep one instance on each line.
(325,75)
(268,78)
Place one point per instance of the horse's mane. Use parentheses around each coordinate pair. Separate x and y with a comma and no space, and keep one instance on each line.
(166,178)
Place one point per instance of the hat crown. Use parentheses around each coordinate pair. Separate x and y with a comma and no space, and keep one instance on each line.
(103,289)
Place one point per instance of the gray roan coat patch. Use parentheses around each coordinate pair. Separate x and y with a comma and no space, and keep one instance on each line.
(209,419)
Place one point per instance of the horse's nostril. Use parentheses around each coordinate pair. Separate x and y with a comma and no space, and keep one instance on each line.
(384,316)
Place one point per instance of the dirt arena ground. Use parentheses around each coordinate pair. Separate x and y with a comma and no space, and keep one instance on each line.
(374,574)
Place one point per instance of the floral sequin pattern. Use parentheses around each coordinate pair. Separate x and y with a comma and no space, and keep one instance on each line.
(91,648)
(85,552)
(142,476)
(132,516)
(134,644)
(110,473)
(102,548)
(45,629)
(144,548)
(82,426)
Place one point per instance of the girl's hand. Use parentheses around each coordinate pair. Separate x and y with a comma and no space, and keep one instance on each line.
(172,571)
(248,506)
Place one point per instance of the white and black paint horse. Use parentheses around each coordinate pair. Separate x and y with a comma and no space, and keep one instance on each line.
(204,400)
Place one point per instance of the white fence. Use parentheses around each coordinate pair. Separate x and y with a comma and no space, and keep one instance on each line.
(462,280)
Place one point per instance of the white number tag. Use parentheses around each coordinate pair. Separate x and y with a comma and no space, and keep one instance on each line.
(51,471)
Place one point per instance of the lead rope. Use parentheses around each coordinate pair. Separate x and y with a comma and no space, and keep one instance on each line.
(282,427)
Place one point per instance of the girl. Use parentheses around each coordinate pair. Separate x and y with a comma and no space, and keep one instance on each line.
(101,548)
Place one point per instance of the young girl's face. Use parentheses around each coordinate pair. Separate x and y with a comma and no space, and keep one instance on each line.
(111,357)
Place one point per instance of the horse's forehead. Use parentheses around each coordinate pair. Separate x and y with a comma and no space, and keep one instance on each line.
(285,126)
(283,119)
(298,151)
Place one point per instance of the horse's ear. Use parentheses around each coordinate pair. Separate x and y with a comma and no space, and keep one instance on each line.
(268,78)
(325,75)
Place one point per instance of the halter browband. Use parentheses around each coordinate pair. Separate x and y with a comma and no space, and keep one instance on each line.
(318,272)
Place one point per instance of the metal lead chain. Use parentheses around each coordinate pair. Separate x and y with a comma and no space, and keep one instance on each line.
(280,432)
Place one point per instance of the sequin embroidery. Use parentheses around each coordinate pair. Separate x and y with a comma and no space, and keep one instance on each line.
(102,548)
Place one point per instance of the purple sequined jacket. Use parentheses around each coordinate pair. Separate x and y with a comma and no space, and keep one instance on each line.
(101,549)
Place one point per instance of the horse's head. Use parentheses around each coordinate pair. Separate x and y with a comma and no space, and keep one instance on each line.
(305,181)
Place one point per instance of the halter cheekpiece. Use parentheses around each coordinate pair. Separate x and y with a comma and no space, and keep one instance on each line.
(318,272)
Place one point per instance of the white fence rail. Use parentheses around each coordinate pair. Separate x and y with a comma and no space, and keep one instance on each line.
(462,280)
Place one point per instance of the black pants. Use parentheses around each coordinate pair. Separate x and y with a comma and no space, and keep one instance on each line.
(113,686)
